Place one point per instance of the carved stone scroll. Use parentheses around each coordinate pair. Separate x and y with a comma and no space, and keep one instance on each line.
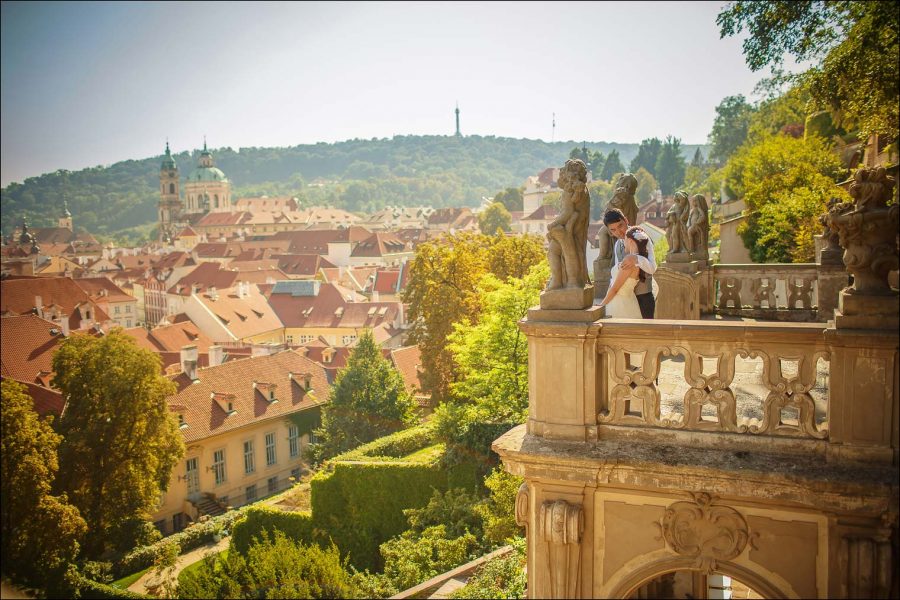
(522,501)
(800,290)
(561,527)
(704,530)
(730,292)
(763,290)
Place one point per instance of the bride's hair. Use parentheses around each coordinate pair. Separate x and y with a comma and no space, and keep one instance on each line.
(640,238)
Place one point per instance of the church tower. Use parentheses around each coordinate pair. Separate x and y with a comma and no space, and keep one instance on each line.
(65,218)
(169,198)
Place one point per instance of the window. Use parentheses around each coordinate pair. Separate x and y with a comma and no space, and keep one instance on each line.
(171,188)
(290,339)
(250,492)
(193,475)
(347,339)
(219,466)
(294,440)
(270,449)
(249,459)
(127,322)
(117,309)
(313,439)
(273,485)
(127,309)
(178,522)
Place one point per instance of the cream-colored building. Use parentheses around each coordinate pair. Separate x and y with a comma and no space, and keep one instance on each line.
(240,426)
(206,189)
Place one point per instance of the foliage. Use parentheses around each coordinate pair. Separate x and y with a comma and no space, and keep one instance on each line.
(670,165)
(600,192)
(786,183)
(500,578)
(120,441)
(511,198)
(498,510)
(40,532)
(729,128)
(295,525)
(492,354)
(396,445)
(512,256)
(593,159)
(414,557)
(273,567)
(495,217)
(774,115)
(647,184)
(368,400)
(454,509)
(647,155)
(87,588)
(854,45)
(194,536)
(612,166)
(660,249)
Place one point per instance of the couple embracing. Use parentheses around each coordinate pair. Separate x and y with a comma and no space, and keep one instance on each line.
(630,294)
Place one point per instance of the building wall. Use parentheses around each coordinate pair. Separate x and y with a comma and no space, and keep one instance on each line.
(732,250)
(336,336)
(176,500)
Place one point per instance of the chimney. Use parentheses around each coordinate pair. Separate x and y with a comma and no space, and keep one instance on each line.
(376,297)
(189,361)
(264,349)
(216,355)
(213,293)
(241,290)
(64,324)
(39,306)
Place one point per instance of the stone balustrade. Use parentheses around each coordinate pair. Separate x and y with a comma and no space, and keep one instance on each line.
(771,291)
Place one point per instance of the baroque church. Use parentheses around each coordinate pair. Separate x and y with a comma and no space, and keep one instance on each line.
(206,190)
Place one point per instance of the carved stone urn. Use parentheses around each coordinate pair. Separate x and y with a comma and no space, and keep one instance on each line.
(867,231)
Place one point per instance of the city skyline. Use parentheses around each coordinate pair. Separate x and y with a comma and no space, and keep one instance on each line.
(93,84)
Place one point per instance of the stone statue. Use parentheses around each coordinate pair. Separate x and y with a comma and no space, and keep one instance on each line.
(698,226)
(831,252)
(867,230)
(676,225)
(567,233)
(623,199)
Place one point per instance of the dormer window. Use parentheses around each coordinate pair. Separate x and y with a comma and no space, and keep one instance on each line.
(181,422)
(225,402)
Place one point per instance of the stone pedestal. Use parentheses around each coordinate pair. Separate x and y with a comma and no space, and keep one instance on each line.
(684,263)
(867,311)
(568,298)
(830,280)
(679,294)
(602,274)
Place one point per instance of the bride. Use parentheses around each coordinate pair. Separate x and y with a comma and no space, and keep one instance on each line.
(620,301)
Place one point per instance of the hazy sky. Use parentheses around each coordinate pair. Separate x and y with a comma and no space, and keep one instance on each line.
(94,83)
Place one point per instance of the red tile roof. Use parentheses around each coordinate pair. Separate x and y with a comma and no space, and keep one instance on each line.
(545,212)
(223,218)
(17,297)
(28,344)
(205,276)
(331,309)
(205,417)
(315,241)
(96,286)
(380,244)
(47,401)
(302,265)
(243,317)
(170,338)
(408,362)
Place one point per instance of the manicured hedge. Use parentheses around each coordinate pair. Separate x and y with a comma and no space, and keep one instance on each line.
(296,525)
(194,536)
(396,445)
(94,589)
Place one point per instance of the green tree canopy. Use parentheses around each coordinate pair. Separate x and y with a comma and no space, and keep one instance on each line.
(120,441)
(612,166)
(511,198)
(698,160)
(729,128)
(647,184)
(670,166)
(40,532)
(494,217)
(854,45)
(648,153)
(368,400)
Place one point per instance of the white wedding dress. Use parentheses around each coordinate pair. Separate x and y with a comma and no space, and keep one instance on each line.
(624,304)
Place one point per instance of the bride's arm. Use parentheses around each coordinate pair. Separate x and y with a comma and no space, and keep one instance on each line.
(623,274)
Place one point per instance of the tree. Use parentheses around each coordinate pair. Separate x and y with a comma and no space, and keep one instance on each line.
(854,45)
(120,441)
(596,163)
(494,217)
(40,532)
(511,198)
(368,400)
(274,567)
(647,184)
(512,256)
(600,192)
(612,166)
(729,128)
(698,160)
(411,558)
(786,183)
(498,510)
(646,157)
(670,167)
(492,354)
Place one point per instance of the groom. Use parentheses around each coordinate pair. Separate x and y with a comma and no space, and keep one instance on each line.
(617,225)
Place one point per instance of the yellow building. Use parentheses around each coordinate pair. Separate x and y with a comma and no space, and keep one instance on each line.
(245,425)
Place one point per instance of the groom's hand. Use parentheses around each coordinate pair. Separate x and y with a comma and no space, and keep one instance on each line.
(629,261)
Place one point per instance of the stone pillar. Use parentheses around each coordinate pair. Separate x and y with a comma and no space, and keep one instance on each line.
(562,372)
(830,280)
(679,294)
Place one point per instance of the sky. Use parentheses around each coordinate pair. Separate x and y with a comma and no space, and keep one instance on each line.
(87,84)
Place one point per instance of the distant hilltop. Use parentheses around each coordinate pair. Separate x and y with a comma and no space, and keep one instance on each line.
(356,175)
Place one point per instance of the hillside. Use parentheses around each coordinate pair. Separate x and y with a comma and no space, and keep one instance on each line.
(358,175)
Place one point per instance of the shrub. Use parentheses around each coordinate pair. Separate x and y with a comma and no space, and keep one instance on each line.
(413,557)
(502,577)
(498,511)
(298,527)
(395,445)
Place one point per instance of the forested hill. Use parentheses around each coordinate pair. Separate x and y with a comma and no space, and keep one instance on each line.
(358,175)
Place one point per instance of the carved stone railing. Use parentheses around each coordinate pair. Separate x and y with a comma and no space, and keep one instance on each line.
(783,292)
(758,380)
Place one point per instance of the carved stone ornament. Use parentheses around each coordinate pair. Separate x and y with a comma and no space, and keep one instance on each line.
(522,505)
(867,230)
(561,527)
(677,225)
(567,234)
(704,530)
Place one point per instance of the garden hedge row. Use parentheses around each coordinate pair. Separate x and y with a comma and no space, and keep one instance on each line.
(296,525)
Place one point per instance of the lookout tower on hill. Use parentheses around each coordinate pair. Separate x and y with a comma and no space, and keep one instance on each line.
(458,134)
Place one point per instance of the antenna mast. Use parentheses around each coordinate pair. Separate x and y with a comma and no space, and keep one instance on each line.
(553,133)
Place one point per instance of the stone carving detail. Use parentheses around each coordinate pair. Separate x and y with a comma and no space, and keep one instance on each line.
(730,291)
(567,233)
(831,252)
(867,230)
(704,530)
(561,527)
(634,398)
(698,227)
(623,199)
(677,225)
(763,289)
(522,502)
(800,290)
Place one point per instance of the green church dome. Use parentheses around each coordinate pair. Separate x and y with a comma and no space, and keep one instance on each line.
(206,174)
